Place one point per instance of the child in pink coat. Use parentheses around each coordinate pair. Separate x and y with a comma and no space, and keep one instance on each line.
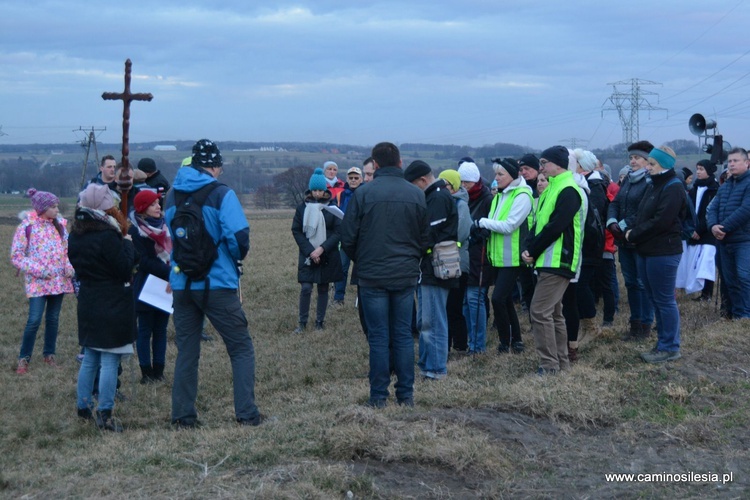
(40,251)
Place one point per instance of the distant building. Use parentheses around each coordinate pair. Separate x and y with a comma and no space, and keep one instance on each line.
(165,147)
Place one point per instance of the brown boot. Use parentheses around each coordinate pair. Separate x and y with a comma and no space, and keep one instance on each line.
(633,333)
(573,352)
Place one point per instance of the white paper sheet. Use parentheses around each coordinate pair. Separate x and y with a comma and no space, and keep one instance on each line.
(155,293)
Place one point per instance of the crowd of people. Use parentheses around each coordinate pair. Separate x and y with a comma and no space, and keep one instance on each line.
(432,254)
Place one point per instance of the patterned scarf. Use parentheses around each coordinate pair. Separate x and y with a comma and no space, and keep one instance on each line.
(149,227)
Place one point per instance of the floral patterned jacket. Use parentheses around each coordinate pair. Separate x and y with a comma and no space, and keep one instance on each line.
(42,255)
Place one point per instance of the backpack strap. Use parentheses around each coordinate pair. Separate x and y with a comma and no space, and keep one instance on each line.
(199,197)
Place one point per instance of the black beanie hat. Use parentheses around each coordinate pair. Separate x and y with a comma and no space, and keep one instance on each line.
(686,172)
(416,169)
(708,165)
(529,160)
(509,164)
(147,165)
(558,155)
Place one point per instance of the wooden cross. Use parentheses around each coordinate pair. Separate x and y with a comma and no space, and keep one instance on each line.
(125,179)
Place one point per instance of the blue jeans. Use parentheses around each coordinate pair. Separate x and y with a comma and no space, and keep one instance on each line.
(659,275)
(735,264)
(92,361)
(387,315)
(641,308)
(475,312)
(224,311)
(432,320)
(52,320)
(152,334)
(340,286)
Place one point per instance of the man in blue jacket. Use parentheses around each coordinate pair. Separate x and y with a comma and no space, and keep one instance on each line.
(226,223)
(729,220)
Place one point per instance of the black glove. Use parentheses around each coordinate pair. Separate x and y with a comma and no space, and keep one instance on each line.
(616,231)
(478,234)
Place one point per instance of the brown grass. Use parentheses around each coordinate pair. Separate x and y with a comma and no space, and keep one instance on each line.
(491,429)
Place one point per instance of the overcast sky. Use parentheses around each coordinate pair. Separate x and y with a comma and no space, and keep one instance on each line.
(469,72)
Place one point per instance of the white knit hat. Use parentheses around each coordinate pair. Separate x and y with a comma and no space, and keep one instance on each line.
(469,172)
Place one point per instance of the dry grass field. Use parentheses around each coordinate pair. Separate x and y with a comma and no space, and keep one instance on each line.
(492,429)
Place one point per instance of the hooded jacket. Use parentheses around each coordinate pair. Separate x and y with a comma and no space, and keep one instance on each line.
(225,222)
(443,215)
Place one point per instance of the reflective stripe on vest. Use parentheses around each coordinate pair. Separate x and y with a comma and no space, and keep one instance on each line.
(504,250)
(552,257)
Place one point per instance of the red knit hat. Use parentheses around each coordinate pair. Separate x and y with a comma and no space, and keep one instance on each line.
(143,200)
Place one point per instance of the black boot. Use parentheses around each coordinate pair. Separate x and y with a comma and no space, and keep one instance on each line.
(319,326)
(147,374)
(158,373)
(105,422)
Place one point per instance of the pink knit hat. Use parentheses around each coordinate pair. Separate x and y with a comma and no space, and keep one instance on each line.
(96,196)
(42,200)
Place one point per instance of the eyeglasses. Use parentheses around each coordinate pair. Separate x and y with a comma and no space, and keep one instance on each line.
(353,177)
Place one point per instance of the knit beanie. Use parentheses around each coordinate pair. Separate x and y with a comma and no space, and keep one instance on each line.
(663,158)
(42,200)
(586,159)
(686,172)
(529,160)
(206,154)
(147,165)
(557,155)
(416,169)
(452,177)
(96,196)
(708,166)
(509,165)
(469,172)
(317,181)
(143,200)
(624,171)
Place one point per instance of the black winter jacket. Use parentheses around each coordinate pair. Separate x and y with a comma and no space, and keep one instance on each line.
(443,215)
(479,208)
(329,269)
(661,212)
(385,230)
(701,212)
(626,203)
(104,263)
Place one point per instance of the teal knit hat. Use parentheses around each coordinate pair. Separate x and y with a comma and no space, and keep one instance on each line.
(318,181)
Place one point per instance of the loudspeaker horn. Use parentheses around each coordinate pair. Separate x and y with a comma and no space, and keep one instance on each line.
(698,124)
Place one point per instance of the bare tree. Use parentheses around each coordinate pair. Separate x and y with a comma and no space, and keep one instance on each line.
(292,183)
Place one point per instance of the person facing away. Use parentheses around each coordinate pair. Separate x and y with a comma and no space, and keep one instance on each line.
(214,297)
(40,251)
(385,232)
(316,232)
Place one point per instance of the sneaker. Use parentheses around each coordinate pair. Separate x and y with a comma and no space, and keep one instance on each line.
(337,304)
(409,402)
(23,366)
(517,347)
(300,329)
(206,337)
(49,360)
(431,376)
(254,422)
(660,356)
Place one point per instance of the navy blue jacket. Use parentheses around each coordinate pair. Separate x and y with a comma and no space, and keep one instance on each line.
(731,209)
